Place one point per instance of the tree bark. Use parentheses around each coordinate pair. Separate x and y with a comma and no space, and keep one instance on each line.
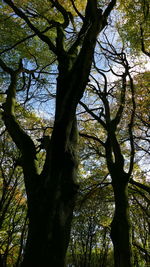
(51,209)
(120,226)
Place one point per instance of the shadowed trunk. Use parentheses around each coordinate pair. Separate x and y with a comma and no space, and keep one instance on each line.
(51,210)
(120,227)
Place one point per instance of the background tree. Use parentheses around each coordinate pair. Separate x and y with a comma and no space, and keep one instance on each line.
(13,204)
(109,110)
(135,22)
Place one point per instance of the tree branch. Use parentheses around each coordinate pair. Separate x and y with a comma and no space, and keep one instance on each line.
(109,8)
(142,186)
(131,126)
(43,37)
(143,250)
(5,67)
(23,40)
(20,138)
(93,16)
(63,11)
(93,114)
(118,116)
(76,10)
(142,43)
(92,137)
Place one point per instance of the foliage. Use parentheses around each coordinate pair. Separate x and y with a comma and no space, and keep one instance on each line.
(113,107)
(135,23)
(13,201)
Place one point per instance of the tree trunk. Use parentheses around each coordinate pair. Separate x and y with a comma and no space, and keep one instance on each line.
(51,209)
(120,227)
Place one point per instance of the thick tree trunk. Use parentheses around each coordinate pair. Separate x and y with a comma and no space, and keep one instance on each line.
(51,209)
(48,237)
(120,227)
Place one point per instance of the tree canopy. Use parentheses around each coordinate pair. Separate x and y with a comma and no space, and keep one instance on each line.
(74,133)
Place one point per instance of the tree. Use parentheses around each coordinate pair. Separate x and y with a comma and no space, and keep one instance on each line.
(114,114)
(135,23)
(13,204)
(51,192)
(140,230)
(90,242)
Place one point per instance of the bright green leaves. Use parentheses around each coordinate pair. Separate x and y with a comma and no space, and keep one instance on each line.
(44,15)
(135,23)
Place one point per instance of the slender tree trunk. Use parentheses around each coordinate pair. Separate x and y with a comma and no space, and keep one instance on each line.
(120,227)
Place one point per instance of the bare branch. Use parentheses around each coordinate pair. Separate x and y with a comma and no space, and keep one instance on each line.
(92,137)
(93,114)
(120,110)
(131,126)
(109,8)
